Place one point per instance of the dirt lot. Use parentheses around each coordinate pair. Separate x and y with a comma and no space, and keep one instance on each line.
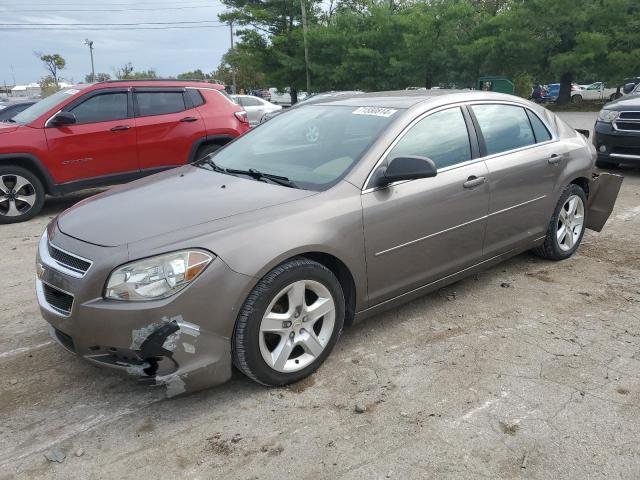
(528,370)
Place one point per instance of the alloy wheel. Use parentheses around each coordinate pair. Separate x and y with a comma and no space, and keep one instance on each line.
(570,223)
(17,195)
(297,326)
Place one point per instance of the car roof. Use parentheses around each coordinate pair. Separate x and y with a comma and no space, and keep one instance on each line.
(409,98)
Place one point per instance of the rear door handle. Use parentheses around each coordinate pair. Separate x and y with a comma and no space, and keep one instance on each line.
(120,128)
(473,181)
(554,159)
(189,119)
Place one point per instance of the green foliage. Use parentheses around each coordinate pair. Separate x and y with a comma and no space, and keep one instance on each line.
(100,77)
(53,63)
(127,72)
(393,44)
(48,85)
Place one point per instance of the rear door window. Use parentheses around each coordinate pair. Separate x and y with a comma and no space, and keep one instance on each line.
(503,127)
(103,107)
(442,137)
(159,103)
(251,102)
(539,130)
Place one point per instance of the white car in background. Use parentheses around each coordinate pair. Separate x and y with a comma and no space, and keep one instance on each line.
(597,91)
(284,97)
(255,107)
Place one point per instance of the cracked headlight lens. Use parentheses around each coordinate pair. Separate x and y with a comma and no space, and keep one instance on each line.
(608,116)
(156,277)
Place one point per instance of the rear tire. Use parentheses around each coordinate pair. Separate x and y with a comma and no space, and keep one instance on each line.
(21,194)
(289,323)
(567,225)
(606,164)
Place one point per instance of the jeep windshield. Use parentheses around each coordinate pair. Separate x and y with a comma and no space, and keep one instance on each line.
(37,109)
(312,147)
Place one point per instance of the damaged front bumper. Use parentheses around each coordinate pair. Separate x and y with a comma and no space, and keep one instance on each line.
(603,193)
(182,342)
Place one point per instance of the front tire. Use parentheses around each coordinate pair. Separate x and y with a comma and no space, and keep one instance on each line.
(21,194)
(567,225)
(289,323)
(577,99)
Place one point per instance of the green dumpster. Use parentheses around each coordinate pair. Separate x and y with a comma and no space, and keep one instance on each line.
(496,84)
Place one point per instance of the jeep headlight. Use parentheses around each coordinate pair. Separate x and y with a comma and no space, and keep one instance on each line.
(156,277)
(607,116)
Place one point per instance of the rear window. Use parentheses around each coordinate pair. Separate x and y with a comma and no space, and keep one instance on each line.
(159,103)
(539,130)
(195,97)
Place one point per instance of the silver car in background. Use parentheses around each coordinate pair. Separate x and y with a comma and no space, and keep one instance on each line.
(320,217)
(255,107)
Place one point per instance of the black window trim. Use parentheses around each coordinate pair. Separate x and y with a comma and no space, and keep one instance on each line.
(136,90)
(94,93)
(188,98)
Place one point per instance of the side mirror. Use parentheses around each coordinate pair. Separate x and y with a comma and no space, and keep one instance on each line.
(628,88)
(63,118)
(406,168)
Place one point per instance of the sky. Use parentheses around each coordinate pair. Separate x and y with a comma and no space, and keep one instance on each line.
(168,51)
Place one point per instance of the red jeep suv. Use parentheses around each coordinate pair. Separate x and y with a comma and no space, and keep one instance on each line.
(106,133)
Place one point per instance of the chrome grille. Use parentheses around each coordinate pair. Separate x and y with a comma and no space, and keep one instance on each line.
(68,260)
(60,301)
(628,122)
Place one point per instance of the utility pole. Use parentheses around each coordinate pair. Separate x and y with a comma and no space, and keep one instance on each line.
(93,70)
(306,49)
(233,67)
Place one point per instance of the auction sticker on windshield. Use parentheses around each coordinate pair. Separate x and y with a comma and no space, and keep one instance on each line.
(375,111)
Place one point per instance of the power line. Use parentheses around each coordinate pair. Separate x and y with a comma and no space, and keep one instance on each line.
(101,24)
(76,10)
(91,29)
(83,4)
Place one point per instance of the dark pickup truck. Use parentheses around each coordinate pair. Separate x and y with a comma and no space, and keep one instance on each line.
(617,131)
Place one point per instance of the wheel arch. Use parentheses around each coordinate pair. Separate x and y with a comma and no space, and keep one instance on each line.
(208,140)
(33,164)
(583,183)
(338,267)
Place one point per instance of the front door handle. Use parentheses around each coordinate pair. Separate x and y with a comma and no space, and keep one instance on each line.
(189,119)
(120,128)
(554,159)
(473,181)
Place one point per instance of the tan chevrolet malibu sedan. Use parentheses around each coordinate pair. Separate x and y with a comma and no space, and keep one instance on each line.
(259,254)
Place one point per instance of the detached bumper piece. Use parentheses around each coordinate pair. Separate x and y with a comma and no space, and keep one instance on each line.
(603,193)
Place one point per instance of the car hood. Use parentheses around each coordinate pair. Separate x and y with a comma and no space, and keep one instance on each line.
(8,127)
(167,202)
(630,102)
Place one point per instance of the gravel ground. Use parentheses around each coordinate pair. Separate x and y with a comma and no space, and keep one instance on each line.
(528,370)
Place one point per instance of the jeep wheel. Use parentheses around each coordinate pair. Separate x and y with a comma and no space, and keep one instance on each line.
(21,194)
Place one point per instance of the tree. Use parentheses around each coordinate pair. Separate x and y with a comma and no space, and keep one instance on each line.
(53,63)
(127,72)
(99,77)
(195,75)
(48,85)
(275,39)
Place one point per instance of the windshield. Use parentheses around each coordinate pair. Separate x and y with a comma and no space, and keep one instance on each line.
(34,111)
(313,146)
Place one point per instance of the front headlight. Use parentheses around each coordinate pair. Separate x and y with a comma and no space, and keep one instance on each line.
(607,116)
(156,277)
